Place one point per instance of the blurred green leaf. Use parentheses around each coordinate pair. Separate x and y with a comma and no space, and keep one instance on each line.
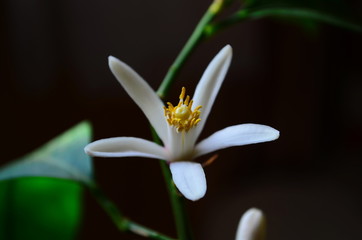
(39,208)
(62,157)
(46,208)
(331,11)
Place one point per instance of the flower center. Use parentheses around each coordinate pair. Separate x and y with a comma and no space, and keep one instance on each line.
(182,117)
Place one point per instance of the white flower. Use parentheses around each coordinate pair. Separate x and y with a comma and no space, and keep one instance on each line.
(179,126)
(251,225)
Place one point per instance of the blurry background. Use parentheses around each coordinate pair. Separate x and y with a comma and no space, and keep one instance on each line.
(307,84)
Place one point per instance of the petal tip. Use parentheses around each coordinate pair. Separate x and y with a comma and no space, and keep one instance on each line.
(275,134)
(272,134)
(112,61)
(195,198)
(227,51)
(254,213)
(228,48)
(88,151)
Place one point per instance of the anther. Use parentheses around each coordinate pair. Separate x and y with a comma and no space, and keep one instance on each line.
(183,92)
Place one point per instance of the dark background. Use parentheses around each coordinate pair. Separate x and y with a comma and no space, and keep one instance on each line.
(308,85)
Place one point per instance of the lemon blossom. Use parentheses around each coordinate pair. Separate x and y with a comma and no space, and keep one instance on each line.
(251,225)
(179,126)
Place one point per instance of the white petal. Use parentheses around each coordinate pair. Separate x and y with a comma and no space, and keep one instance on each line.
(210,83)
(237,135)
(179,145)
(189,178)
(251,226)
(125,147)
(143,95)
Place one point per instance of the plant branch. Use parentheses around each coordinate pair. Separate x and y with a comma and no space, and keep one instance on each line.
(122,223)
(289,12)
(195,38)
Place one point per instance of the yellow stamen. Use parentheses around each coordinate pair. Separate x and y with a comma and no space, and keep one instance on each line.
(210,160)
(183,92)
(182,117)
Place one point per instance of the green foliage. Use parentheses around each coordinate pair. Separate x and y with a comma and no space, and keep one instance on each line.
(45,207)
(62,157)
(39,208)
(331,11)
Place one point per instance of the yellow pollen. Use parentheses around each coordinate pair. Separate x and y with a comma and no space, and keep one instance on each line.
(182,117)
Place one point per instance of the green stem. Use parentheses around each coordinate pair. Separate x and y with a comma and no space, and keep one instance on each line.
(239,16)
(178,205)
(177,201)
(190,45)
(122,223)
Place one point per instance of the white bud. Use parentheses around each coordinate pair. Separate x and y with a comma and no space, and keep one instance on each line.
(251,225)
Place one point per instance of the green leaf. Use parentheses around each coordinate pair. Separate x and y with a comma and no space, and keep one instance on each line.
(62,157)
(40,209)
(330,11)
